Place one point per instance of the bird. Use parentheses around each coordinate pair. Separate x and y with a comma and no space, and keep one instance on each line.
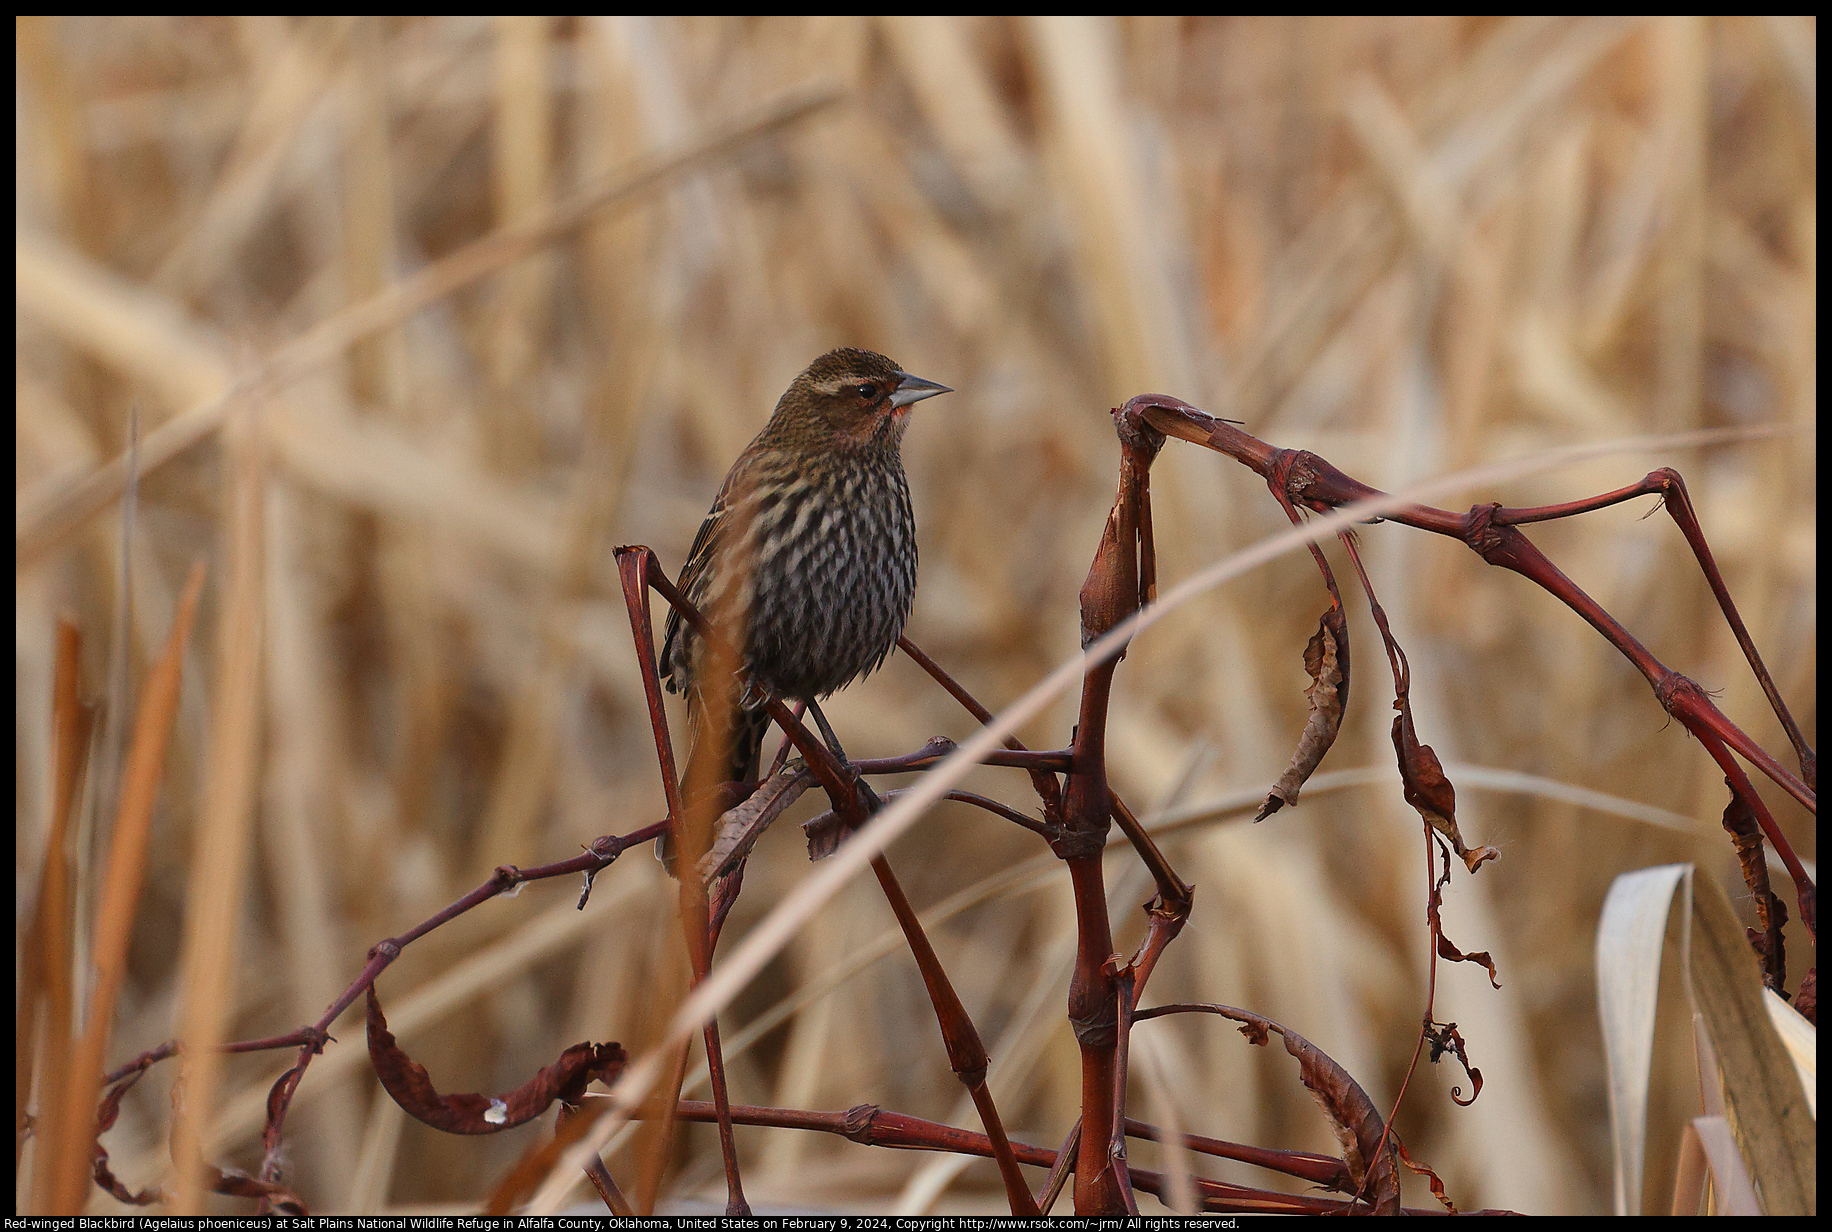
(807,556)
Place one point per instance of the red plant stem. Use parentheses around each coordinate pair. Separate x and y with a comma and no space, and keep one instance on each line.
(1671,487)
(1324,1170)
(1173,891)
(991,806)
(939,747)
(728,1142)
(1123,578)
(1510,549)
(966,1053)
(502,880)
(1679,696)
(384,952)
(1112,592)
(1166,921)
(1807,895)
(1679,506)
(1433,926)
(606,1185)
(1122,1057)
(1046,786)
(1396,657)
(654,1153)
(1017,1193)
(1093,1003)
(1119,581)
(1171,888)
(1061,1170)
(1175,896)
(869,1125)
(310,1040)
(1092,1013)
(1489,530)
(634,567)
(696,923)
(1313,481)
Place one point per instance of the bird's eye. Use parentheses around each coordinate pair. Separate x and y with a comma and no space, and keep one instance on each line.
(868,392)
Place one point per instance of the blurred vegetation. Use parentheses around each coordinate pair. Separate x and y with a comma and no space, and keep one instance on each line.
(1409,245)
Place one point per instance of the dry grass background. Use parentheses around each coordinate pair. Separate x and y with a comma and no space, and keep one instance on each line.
(1410,245)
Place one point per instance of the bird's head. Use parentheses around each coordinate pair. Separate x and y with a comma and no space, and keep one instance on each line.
(851,398)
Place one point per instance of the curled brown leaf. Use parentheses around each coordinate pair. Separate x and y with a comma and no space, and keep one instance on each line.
(1357,1123)
(1368,1149)
(1771,913)
(1433,1179)
(235,1184)
(824,832)
(406,1081)
(1108,595)
(1444,1037)
(283,1200)
(1449,952)
(1326,658)
(104,1121)
(739,828)
(1428,789)
(1446,948)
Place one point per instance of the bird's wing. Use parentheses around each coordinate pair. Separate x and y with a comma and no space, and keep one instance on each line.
(706,546)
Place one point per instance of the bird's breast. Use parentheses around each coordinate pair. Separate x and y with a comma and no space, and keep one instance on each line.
(834,572)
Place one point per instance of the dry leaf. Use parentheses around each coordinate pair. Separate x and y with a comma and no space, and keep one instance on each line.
(407,1082)
(1427,788)
(1327,661)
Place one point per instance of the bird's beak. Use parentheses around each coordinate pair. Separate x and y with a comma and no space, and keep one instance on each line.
(914,389)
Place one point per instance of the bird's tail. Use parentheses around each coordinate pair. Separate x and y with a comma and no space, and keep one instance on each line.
(705,769)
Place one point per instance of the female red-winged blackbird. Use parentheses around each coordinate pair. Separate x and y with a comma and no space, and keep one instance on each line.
(809,553)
